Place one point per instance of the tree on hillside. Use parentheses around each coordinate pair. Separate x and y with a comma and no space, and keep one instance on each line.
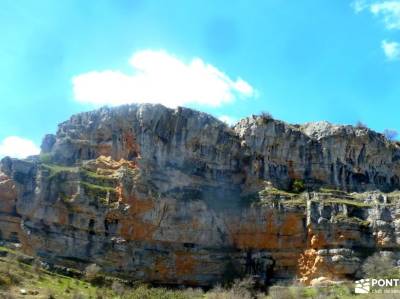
(378,265)
(390,134)
(266,115)
(361,125)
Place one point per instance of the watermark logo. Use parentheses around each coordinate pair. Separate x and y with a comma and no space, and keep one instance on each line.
(363,286)
(377,285)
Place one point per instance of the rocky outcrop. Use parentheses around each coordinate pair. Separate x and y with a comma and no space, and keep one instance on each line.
(178,197)
(321,154)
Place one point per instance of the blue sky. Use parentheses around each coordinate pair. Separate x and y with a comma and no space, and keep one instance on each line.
(302,61)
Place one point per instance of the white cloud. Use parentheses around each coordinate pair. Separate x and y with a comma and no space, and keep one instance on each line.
(160,78)
(359,5)
(391,50)
(389,11)
(227,119)
(18,147)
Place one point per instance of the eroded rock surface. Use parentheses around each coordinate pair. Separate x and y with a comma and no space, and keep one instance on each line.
(176,196)
(322,154)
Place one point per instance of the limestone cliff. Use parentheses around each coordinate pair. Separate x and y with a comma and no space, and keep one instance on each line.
(176,196)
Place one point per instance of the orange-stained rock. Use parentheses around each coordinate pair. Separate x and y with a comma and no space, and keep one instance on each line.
(161,271)
(132,226)
(292,225)
(10,221)
(185,263)
(383,238)
(269,232)
(136,229)
(139,206)
(131,144)
(104,149)
(107,163)
(8,194)
(258,240)
(310,264)
(317,241)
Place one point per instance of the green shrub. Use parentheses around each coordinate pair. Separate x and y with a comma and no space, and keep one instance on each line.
(298,186)
(379,266)
(46,158)
(78,295)
(93,274)
(5,281)
(265,118)
(99,194)
(361,125)
(341,218)
(280,292)
(221,293)
(144,292)
(118,288)
(240,289)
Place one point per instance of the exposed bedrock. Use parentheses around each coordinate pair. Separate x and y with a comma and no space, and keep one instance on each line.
(178,197)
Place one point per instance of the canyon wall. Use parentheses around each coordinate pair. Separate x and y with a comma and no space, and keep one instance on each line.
(178,197)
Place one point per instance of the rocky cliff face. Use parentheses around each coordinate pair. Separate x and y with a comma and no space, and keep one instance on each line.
(176,196)
(321,154)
